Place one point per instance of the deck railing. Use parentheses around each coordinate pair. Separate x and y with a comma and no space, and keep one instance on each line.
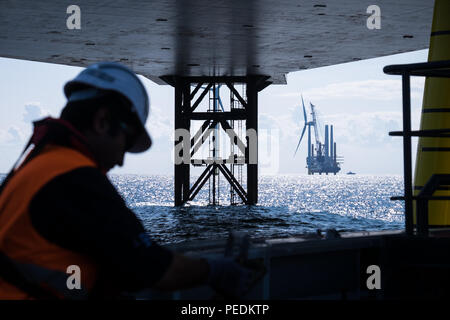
(440,69)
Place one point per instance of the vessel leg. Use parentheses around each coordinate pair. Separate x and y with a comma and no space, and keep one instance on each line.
(252,124)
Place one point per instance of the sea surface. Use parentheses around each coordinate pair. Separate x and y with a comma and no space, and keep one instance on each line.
(287,206)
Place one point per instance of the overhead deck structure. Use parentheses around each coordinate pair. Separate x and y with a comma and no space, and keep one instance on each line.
(212,37)
(212,42)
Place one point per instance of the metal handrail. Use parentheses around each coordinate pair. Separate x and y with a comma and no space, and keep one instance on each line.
(426,194)
(424,69)
(427,69)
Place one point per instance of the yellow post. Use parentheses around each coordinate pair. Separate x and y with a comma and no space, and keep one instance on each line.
(433,154)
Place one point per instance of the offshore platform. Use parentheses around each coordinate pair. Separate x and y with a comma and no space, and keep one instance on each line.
(322,157)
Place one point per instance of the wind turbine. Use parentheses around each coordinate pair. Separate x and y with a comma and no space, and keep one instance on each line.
(324,160)
(304,129)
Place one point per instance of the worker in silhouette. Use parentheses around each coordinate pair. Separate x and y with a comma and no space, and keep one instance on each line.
(61,218)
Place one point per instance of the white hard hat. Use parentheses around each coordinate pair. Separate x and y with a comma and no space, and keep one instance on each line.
(114,77)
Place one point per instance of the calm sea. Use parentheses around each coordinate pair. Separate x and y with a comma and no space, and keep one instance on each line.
(287,206)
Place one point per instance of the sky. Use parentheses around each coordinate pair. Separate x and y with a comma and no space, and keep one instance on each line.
(358,99)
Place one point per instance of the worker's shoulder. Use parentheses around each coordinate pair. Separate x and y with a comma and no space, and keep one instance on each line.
(52,163)
(80,187)
(57,159)
(86,177)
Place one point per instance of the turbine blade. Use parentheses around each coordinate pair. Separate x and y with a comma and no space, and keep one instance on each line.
(301,137)
(304,111)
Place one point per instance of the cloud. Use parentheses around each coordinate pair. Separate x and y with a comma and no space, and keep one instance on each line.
(11,136)
(17,132)
(159,125)
(381,90)
(34,111)
(370,128)
(288,123)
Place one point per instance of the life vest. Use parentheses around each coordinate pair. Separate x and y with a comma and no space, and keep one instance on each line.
(40,261)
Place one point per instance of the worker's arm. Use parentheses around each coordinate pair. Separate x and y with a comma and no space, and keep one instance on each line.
(224,275)
(82,211)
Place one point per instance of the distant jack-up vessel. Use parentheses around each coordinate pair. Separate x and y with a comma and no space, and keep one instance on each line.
(322,157)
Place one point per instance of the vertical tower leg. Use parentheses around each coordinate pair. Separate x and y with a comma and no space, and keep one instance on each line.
(309,141)
(178,173)
(331,143)
(182,170)
(186,125)
(252,124)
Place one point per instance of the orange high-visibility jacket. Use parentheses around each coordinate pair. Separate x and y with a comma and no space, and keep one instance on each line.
(39,260)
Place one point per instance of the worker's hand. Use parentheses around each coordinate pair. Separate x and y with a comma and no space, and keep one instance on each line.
(229,278)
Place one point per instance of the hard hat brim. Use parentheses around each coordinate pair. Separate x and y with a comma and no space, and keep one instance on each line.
(142,143)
